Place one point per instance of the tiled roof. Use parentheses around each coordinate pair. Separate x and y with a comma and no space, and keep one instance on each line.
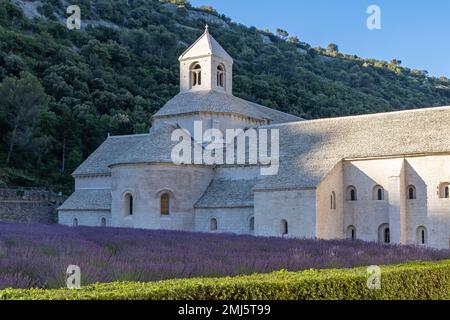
(205,45)
(228,194)
(88,199)
(113,147)
(310,149)
(221,102)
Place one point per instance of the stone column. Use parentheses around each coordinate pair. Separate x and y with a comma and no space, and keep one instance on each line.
(397,208)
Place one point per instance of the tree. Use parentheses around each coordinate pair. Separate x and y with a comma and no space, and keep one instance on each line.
(23,102)
(396,62)
(332,47)
(283,34)
(294,40)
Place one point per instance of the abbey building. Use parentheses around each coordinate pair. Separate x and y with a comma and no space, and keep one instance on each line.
(382,177)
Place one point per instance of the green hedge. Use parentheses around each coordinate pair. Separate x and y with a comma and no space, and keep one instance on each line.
(419,280)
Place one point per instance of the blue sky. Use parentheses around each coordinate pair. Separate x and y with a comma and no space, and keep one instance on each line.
(417,32)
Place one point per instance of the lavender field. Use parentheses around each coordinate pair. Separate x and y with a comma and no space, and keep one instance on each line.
(38,255)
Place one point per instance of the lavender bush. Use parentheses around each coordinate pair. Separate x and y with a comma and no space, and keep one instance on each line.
(38,255)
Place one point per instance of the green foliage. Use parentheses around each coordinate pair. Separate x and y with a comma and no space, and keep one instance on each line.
(412,281)
(23,104)
(113,75)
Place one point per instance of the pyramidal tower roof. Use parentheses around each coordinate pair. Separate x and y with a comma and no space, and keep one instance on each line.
(206,45)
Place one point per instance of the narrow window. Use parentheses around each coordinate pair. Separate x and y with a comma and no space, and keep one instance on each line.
(333,201)
(378,193)
(165,204)
(220,76)
(75,222)
(284,228)
(351,233)
(252,224)
(128,205)
(103,222)
(422,235)
(196,75)
(351,194)
(411,193)
(387,235)
(213,224)
(444,190)
(384,234)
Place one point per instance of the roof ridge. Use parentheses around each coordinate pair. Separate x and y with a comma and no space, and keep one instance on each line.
(129,135)
(361,116)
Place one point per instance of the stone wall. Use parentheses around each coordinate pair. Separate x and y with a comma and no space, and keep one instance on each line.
(146,183)
(29,205)
(87,218)
(297,207)
(229,220)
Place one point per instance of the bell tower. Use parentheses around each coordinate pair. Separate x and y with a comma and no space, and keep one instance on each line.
(206,66)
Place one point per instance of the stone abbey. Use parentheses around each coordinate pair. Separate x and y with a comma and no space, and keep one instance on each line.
(382,178)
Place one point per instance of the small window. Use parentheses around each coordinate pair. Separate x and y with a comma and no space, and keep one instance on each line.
(284,230)
(333,201)
(384,234)
(444,190)
(221,76)
(103,222)
(351,194)
(412,193)
(378,193)
(422,235)
(196,75)
(213,225)
(165,204)
(129,205)
(351,233)
(75,222)
(252,224)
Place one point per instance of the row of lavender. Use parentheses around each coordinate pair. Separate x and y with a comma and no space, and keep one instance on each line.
(38,255)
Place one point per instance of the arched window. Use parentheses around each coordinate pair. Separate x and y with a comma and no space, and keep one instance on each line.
(103,222)
(444,190)
(128,205)
(284,230)
(384,234)
(412,192)
(220,76)
(351,233)
(165,204)
(75,222)
(213,224)
(196,75)
(351,194)
(422,235)
(333,201)
(252,223)
(378,193)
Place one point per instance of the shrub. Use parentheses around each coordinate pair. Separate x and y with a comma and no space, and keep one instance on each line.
(37,256)
(420,280)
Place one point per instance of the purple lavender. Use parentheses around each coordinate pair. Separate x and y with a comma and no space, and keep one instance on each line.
(38,255)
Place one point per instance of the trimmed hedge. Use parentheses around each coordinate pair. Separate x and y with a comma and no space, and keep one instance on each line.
(418,280)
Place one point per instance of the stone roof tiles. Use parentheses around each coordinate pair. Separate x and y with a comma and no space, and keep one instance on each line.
(228,194)
(88,199)
(221,102)
(310,149)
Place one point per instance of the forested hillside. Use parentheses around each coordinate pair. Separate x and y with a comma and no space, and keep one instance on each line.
(62,91)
